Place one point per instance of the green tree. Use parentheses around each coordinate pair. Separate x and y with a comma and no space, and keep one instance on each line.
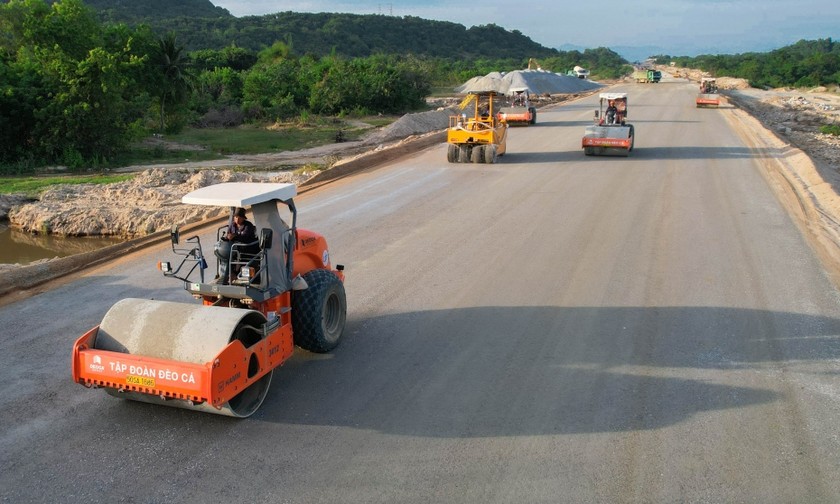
(217,88)
(274,87)
(174,78)
(235,58)
(66,83)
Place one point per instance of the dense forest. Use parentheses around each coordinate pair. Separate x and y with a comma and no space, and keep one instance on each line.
(807,63)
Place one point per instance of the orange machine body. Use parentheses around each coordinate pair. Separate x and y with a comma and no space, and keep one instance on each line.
(214,382)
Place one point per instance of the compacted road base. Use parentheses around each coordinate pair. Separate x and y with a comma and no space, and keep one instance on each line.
(553,327)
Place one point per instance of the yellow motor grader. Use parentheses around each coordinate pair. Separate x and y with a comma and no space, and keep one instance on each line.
(480,138)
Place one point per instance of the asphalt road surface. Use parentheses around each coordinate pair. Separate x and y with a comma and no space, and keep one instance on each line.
(550,328)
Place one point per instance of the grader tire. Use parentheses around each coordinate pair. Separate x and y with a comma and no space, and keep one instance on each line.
(319,312)
(490,154)
(452,153)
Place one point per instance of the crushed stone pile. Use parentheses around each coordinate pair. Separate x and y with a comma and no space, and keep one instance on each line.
(413,124)
(539,82)
(148,203)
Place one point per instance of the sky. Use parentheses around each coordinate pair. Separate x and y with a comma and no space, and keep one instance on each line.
(675,27)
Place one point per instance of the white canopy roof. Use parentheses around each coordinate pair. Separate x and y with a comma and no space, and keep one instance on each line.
(612,96)
(240,194)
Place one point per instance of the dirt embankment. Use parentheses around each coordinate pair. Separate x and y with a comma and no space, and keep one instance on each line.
(805,166)
(795,115)
(150,202)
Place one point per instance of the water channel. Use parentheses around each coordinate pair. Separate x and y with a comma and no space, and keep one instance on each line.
(17,247)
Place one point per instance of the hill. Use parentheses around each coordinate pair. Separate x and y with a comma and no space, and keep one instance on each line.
(198,24)
(145,11)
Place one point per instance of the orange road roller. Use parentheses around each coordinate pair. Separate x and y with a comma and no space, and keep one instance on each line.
(268,294)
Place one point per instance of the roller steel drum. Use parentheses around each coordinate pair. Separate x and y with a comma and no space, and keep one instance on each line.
(184,333)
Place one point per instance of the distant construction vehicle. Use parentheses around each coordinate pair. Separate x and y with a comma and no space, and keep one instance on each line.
(708,96)
(647,75)
(610,135)
(520,110)
(481,138)
(580,72)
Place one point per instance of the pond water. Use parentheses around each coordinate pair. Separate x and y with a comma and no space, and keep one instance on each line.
(17,247)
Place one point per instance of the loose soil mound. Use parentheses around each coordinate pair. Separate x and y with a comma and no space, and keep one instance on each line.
(148,203)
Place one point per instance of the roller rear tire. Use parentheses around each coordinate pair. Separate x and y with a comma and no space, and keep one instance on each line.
(319,312)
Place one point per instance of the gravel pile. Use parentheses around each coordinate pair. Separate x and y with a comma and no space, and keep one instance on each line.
(537,82)
(413,124)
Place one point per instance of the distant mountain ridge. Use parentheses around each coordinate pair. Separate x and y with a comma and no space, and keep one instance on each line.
(133,11)
(198,24)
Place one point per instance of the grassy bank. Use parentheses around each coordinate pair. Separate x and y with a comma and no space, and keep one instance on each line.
(31,186)
(207,144)
(200,144)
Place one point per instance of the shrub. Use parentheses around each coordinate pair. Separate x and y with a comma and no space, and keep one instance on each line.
(830,129)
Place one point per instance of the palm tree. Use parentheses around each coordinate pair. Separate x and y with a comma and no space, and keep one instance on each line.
(175,80)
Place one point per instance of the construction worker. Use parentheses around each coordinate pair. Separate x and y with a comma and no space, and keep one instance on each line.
(612,111)
(240,231)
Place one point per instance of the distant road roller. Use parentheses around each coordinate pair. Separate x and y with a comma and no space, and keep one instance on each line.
(280,290)
(610,135)
(480,138)
(708,96)
(520,110)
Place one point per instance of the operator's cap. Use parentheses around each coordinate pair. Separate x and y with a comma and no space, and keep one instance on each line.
(240,212)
